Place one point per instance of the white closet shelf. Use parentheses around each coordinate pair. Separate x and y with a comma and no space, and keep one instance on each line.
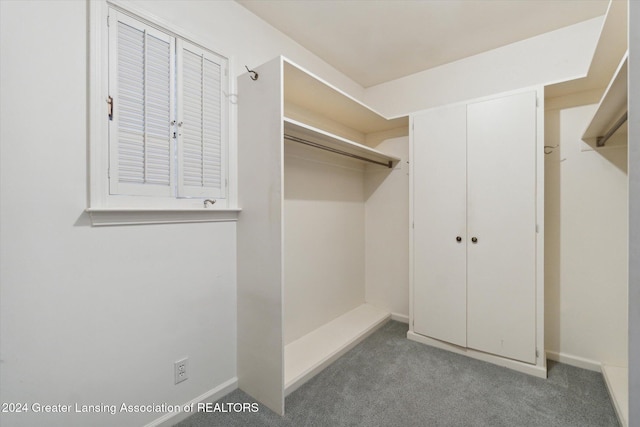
(617,381)
(306,90)
(319,138)
(612,107)
(310,354)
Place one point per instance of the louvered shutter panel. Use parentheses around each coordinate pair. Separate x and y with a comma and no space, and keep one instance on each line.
(141,76)
(202,114)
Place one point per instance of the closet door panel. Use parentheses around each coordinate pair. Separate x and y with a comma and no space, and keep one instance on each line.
(501,216)
(439,264)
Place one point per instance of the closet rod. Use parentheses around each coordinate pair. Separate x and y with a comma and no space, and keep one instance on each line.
(601,140)
(335,150)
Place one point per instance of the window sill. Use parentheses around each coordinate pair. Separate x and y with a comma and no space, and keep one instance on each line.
(121,216)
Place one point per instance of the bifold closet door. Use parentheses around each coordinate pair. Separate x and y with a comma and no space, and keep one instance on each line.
(501,212)
(439,221)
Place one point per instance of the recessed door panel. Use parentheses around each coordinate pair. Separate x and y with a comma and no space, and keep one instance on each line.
(439,198)
(501,251)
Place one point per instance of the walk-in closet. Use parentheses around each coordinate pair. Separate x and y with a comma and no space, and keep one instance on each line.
(306,181)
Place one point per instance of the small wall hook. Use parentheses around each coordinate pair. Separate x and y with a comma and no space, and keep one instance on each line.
(209,201)
(548,149)
(255,75)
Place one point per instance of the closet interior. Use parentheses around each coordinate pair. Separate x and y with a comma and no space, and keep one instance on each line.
(606,135)
(306,178)
(608,128)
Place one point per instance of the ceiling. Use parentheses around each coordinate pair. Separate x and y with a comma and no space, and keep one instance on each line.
(375,41)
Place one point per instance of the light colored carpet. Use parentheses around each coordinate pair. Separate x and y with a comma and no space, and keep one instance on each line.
(390,381)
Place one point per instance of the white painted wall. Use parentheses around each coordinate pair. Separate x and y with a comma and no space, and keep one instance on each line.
(387,229)
(324,238)
(586,244)
(99,315)
(549,58)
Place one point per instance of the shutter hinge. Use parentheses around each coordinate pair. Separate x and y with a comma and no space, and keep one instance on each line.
(110,108)
(537,229)
(537,353)
(108,23)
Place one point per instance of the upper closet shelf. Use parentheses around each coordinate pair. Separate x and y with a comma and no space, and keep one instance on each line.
(611,115)
(309,92)
(308,135)
(320,115)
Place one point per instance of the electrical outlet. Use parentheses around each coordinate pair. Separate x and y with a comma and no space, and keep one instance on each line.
(180,370)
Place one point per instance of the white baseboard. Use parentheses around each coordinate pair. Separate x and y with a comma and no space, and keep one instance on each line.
(212,395)
(615,378)
(577,361)
(617,381)
(400,318)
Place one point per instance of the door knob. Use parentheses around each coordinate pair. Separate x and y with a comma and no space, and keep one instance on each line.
(474,239)
(458,239)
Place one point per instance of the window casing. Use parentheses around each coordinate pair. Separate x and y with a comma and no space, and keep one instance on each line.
(159,118)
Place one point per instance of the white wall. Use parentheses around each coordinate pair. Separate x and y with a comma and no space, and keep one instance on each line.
(549,58)
(585,243)
(324,238)
(99,315)
(387,229)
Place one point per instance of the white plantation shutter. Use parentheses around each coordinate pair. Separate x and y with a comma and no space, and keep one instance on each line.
(141,82)
(168,127)
(201,112)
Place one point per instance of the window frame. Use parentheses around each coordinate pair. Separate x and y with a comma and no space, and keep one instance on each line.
(105,208)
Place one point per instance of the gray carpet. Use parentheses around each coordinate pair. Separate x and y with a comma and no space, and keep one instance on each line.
(389,381)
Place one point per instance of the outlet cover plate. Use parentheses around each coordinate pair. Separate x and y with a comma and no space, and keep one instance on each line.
(180,370)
